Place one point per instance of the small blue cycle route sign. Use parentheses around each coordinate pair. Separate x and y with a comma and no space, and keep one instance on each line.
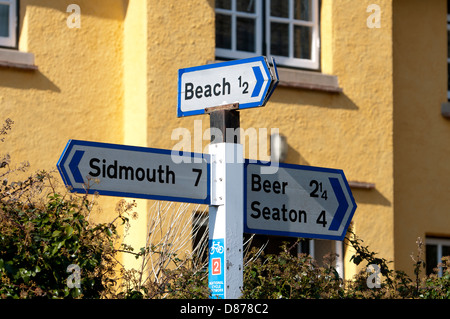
(216,277)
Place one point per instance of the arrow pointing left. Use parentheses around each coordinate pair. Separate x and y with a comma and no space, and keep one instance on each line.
(73,166)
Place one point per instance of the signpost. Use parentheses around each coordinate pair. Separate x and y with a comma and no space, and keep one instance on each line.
(249,82)
(297,201)
(138,172)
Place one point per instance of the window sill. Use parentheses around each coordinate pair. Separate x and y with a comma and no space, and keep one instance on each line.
(308,80)
(17,59)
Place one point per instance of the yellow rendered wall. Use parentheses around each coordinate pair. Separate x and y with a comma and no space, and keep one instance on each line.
(181,34)
(421,134)
(160,38)
(76,93)
(363,130)
(135,108)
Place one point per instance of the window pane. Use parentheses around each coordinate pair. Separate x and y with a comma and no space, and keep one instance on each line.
(431,258)
(223,31)
(304,246)
(279,8)
(246,6)
(245,34)
(445,251)
(448,76)
(302,42)
(4,20)
(279,39)
(223,4)
(302,10)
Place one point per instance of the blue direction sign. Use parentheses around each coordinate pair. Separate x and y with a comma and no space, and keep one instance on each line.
(137,172)
(248,82)
(297,201)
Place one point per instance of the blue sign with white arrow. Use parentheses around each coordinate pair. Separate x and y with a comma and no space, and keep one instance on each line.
(136,172)
(297,201)
(248,82)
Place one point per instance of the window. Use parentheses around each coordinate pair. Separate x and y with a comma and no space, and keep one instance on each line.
(238,28)
(287,30)
(8,23)
(436,248)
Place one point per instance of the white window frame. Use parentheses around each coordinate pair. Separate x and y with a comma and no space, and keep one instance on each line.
(439,242)
(265,18)
(315,39)
(11,40)
(233,52)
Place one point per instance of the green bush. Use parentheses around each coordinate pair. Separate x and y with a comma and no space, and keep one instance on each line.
(289,276)
(39,241)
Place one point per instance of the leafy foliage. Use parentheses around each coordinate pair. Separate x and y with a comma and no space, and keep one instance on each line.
(182,281)
(290,276)
(435,287)
(38,241)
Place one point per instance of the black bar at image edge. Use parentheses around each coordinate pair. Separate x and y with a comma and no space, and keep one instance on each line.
(185,308)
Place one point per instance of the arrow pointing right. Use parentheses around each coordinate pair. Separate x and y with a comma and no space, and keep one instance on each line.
(343,204)
(259,81)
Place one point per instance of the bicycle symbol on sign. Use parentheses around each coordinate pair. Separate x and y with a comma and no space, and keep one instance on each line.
(216,247)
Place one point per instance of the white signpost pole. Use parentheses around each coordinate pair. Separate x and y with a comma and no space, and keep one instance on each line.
(226,226)
(226,223)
